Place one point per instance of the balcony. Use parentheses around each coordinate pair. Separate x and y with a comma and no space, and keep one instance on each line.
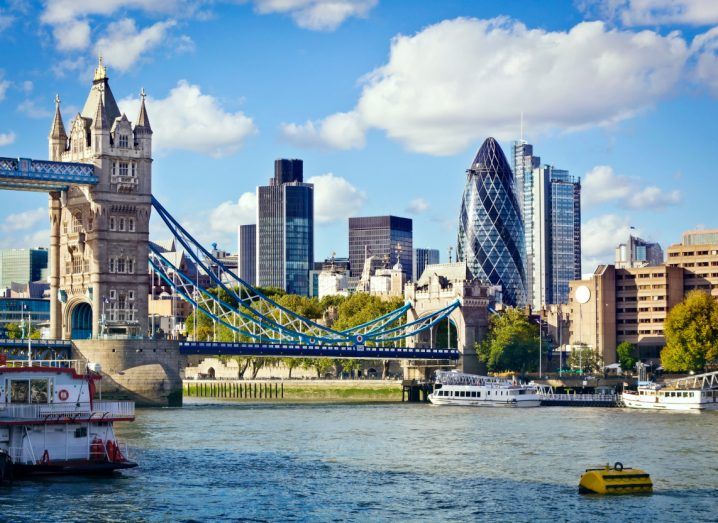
(124,183)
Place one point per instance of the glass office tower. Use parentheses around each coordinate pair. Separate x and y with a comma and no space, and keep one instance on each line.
(491,233)
(380,236)
(22,265)
(247,253)
(285,229)
(524,164)
(422,258)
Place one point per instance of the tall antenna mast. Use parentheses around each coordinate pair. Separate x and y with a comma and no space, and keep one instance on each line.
(522,126)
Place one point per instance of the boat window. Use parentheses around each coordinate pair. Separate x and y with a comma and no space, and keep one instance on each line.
(522,391)
(462,394)
(19,390)
(38,391)
(473,393)
(478,394)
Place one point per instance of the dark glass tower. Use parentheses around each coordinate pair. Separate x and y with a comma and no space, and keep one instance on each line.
(491,234)
(379,236)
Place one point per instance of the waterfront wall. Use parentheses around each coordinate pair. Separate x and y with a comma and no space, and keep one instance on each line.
(147,372)
(295,390)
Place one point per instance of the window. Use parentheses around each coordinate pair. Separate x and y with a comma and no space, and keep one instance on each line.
(130,266)
(131,224)
(130,295)
(120,265)
(134,169)
(112,223)
(38,391)
(76,222)
(19,391)
(90,223)
(123,142)
(77,264)
(113,294)
(121,224)
(112,265)
(123,168)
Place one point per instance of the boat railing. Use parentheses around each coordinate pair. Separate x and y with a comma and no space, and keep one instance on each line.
(579,397)
(98,410)
(79,366)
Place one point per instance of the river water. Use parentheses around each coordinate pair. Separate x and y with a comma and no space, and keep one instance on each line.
(387,462)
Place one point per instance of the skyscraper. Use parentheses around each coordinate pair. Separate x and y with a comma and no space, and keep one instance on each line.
(556,239)
(285,229)
(524,164)
(491,234)
(22,265)
(638,253)
(247,253)
(382,237)
(422,258)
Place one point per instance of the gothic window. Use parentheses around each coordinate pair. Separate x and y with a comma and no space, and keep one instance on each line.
(112,265)
(134,169)
(90,223)
(76,222)
(121,265)
(123,143)
(112,223)
(113,313)
(130,295)
(64,227)
(77,264)
(114,168)
(122,224)
(130,265)
(123,167)
(113,294)
(131,224)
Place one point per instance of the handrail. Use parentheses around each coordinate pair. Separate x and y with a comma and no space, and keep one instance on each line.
(45,410)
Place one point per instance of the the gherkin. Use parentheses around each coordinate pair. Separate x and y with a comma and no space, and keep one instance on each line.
(491,235)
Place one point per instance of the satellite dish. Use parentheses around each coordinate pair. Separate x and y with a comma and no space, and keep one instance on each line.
(582,294)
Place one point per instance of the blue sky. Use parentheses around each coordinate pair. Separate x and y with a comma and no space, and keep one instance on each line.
(386,102)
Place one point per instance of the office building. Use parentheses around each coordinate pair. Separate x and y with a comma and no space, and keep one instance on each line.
(491,233)
(247,253)
(616,305)
(285,229)
(638,253)
(22,266)
(524,164)
(382,237)
(554,218)
(422,258)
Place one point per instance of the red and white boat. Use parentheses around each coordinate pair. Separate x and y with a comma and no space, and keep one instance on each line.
(51,424)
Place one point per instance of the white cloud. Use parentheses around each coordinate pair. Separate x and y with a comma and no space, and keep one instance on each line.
(73,35)
(6,20)
(63,11)
(123,43)
(602,185)
(418,206)
(323,15)
(4,84)
(228,215)
(600,236)
(338,131)
(654,12)
(31,109)
(190,120)
(458,81)
(335,198)
(24,220)
(7,138)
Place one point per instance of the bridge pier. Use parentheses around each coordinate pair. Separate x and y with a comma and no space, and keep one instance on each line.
(144,371)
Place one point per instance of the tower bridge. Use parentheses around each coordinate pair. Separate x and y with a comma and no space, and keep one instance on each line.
(99,182)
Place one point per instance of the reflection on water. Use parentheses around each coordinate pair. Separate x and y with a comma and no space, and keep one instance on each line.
(388,462)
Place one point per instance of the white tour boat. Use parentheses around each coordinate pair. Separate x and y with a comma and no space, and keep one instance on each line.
(456,388)
(657,397)
(51,424)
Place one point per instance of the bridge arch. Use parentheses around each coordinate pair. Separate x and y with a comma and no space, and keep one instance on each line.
(81,321)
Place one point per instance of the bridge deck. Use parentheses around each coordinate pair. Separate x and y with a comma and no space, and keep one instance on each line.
(209,348)
(23,174)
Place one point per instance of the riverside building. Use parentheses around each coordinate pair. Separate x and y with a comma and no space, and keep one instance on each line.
(491,233)
(285,229)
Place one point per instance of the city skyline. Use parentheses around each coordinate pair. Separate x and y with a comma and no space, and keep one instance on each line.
(244,119)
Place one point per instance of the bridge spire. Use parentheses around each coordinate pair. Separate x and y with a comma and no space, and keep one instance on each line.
(58,128)
(143,121)
(100,120)
(100,71)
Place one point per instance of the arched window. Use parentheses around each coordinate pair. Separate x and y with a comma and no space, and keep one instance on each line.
(77,222)
(131,224)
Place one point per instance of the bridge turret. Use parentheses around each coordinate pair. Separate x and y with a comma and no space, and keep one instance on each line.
(100,130)
(143,130)
(58,136)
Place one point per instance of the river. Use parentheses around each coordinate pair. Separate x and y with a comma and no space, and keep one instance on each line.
(387,462)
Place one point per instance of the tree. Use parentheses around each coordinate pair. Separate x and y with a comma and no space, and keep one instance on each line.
(585,358)
(691,330)
(511,343)
(291,364)
(627,355)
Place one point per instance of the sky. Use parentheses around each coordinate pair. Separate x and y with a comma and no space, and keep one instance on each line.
(386,101)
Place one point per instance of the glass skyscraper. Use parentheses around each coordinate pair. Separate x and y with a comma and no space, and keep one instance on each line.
(524,164)
(22,265)
(556,246)
(247,253)
(422,258)
(491,233)
(285,229)
(379,236)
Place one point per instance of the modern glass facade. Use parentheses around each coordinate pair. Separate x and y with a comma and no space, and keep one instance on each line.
(380,236)
(285,230)
(22,265)
(524,164)
(15,310)
(556,223)
(247,253)
(491,233)
(422,258)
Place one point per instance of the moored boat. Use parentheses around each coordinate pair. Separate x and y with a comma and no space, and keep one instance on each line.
(456,388)
(51,424)
(658,397)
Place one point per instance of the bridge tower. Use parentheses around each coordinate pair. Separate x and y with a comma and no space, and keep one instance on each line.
(99,234)
(438,287)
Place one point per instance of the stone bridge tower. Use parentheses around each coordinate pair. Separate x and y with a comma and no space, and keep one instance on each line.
(99,234)
(439,286)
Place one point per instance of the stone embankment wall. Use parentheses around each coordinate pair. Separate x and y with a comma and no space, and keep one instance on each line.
(295,390)
(145,371)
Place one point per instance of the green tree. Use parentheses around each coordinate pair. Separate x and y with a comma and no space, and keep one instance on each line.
(691,331)
(627,355)
(511,343)
(585,359)
(291,364)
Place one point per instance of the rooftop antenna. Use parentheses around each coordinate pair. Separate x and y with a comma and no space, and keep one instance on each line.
(522,126)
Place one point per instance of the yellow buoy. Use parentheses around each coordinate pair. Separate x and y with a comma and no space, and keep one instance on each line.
(615,480)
